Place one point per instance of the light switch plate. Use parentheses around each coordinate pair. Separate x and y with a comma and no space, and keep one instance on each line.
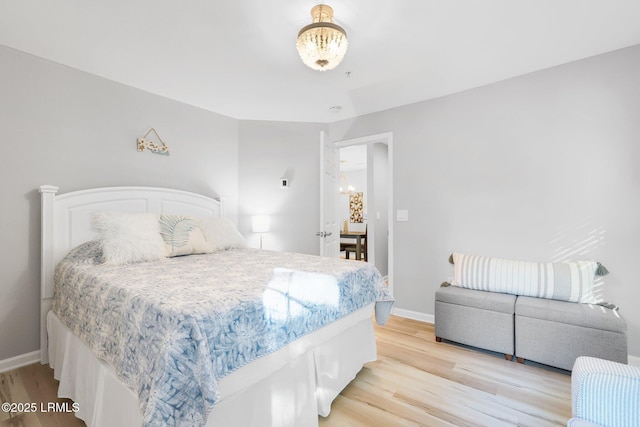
(402,215)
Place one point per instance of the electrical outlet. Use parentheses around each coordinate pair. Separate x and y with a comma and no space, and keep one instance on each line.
(402,215)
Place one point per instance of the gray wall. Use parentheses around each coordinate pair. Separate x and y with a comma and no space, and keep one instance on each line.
(270,151)
(539,167)
(71,129)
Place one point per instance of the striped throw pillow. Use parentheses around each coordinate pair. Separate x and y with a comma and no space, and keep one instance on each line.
(566,281)
(605,392)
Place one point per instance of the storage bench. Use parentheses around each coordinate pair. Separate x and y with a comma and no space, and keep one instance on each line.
(556,333)
(476,318)
(543,312)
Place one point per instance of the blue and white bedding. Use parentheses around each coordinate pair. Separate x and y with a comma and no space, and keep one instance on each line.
(172,328)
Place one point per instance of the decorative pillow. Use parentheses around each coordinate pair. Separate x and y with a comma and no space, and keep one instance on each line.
(222,234)
(128,238)
(566,281)
(183,235)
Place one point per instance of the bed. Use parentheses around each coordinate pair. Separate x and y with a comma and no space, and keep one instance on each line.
(246,337)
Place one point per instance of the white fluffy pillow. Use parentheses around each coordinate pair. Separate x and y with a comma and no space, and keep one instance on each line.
(128,238)
(222,234)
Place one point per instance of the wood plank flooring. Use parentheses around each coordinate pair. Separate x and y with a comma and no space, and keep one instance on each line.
(414,382)
(418,382)
(34,384)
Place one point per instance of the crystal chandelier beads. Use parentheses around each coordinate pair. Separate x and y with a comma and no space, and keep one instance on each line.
(322,44)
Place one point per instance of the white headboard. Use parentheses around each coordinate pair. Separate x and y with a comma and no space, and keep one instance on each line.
(65,224)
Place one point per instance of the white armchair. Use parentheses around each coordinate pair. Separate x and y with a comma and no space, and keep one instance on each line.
(604,394)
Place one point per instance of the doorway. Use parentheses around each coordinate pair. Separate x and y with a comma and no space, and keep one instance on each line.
(379,197)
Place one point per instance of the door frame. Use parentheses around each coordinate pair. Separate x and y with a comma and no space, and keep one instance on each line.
(387,139)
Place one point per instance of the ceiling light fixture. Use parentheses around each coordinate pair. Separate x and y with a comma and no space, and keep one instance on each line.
(322,44)
(345,188)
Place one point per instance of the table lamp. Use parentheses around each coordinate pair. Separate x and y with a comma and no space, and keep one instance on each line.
(260,224)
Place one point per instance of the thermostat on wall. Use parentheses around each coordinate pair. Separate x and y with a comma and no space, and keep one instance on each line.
(284,183)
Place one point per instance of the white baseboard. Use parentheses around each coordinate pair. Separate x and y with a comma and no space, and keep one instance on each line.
(414,315)
(19,361)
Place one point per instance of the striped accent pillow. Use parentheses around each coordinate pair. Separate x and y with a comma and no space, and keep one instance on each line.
(567,281)
(605,392)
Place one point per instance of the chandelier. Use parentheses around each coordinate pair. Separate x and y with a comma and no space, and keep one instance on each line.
(322,44)
(345,188)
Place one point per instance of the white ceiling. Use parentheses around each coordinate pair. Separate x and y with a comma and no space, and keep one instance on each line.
(238,57)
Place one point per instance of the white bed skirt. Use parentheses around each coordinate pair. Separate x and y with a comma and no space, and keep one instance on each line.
(290,387)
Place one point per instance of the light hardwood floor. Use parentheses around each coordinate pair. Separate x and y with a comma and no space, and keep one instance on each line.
(28,385)
(414,382)
(419,382)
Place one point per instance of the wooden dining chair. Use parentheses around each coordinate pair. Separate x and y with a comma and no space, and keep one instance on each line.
(352,247)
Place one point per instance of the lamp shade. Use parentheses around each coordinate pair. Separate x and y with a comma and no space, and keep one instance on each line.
(260,223)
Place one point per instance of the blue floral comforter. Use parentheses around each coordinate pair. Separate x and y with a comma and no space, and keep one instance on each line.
(171,329)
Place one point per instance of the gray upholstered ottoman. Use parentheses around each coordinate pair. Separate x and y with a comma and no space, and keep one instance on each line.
(557,332)
(476,318)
